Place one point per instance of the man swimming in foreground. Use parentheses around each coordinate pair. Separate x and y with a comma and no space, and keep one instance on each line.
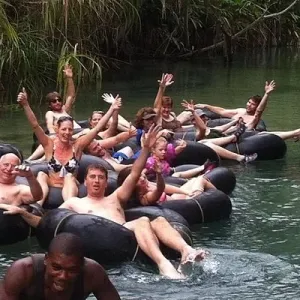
(61,274)
(148,234)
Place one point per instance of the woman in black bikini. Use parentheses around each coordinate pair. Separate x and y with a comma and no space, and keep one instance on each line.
(62,153)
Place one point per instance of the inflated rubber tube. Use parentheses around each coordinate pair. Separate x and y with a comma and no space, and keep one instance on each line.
(14,229)
(195,153)
(261,126)
(267,146)
(130,143)
(8,148)
(212,205)
(152,212)
(104,241)
(218,122)
(223,179)
(83,123)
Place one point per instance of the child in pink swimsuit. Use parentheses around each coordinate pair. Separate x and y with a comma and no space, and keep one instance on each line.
(165,153)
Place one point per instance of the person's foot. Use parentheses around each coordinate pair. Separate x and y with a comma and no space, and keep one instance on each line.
(167,270)
(240,130)
(249,158)
(191,255)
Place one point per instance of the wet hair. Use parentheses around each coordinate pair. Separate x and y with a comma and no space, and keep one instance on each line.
(68,244)
(256,99)
(52,96)
(167,101)
(96,167)
(95,112)
(63,119)
(138,122)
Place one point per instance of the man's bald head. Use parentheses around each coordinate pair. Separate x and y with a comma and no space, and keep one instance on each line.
(10,157)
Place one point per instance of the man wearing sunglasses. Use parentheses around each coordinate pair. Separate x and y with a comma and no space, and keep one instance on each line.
(57,108)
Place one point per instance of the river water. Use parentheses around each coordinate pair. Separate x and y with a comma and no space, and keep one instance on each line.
(255,254)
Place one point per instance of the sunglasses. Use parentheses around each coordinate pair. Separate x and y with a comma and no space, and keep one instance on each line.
(57,99)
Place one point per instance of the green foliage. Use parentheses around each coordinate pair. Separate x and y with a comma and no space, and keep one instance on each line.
(38,37)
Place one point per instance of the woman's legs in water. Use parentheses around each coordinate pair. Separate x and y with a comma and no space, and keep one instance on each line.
(284,134)
(70,188)
(220,141)
(224,153)
(42,178)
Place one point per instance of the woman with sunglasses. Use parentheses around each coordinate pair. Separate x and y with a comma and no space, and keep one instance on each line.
(62,152)
(56,107)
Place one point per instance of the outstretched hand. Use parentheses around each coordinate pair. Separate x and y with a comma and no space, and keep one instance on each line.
(23,97)
(11,209)
(166,80)
(270,87)
(188,105)
(109,98)
(116,105)
(149,139)
(23,171)
(68,71)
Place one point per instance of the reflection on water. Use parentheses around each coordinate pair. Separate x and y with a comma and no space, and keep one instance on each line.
(255,254)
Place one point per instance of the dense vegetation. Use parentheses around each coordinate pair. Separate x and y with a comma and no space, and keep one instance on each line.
(97,34)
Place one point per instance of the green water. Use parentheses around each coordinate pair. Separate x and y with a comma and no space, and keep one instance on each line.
(255,254)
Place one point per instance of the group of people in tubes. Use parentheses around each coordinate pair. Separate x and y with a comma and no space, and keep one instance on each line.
(160,135)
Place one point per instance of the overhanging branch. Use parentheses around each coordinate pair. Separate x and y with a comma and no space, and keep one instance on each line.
(241,32)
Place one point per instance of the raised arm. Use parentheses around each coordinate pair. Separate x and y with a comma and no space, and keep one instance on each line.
(113,126)
(120,138)
(198,121)
(152,197)
(166,80)
(34,192)
(70,94)
(39,132)
(269,88)
(123,193)
(85,140)
(226,113)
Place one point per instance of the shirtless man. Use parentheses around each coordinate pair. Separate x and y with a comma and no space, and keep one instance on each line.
(61,274)
(11,192)
(55,101)
(253,111)
(111,207)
